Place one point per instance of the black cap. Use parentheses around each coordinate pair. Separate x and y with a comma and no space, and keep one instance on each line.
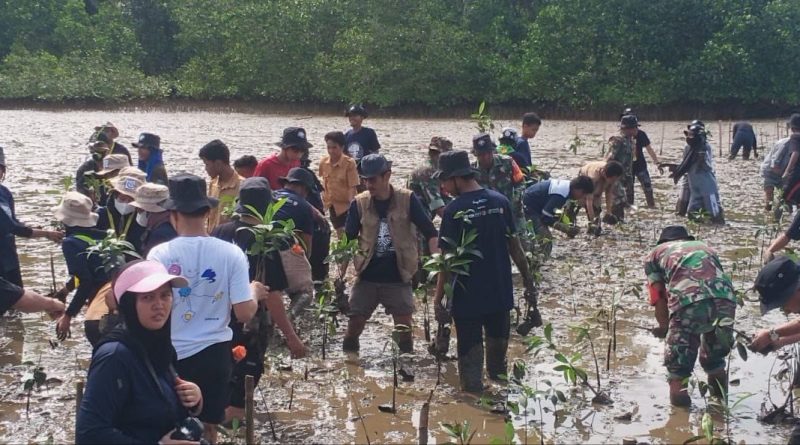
(453,164)
(187,194)
(794,121)
(482,143)
(674,233)
(299,175)
(776,283)
(373,165)
(294,137)
(629,121)
(148,140)
(694,130)
(254,192)
(697,122)
(356,109)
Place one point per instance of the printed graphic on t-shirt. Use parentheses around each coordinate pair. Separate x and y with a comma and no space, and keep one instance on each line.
(384,247)
(183,306)
(355,150)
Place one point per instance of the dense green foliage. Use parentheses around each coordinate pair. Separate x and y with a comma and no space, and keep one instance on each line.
(428,52)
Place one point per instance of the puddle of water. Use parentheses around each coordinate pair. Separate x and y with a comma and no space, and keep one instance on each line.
(324,406)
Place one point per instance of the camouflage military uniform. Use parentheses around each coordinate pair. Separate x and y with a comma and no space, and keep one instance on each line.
(699,293)
(622,150)
(428,190)
(500,178)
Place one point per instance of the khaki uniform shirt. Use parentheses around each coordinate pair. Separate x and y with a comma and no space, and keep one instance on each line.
(339,181)
(226,192)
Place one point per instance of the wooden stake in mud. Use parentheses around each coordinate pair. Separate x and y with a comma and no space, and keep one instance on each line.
(661,149)
(730,133)
(422,431)
(720,137)
(249,407)
(78,399)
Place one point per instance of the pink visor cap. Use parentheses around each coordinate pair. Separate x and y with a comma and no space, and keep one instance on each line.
(145,276)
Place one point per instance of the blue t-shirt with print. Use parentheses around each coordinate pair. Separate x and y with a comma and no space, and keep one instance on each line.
(361,143)
(488,288)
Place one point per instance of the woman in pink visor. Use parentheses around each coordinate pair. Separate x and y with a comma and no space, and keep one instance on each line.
(133,394)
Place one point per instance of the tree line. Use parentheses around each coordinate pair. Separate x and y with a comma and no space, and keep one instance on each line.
(438,53)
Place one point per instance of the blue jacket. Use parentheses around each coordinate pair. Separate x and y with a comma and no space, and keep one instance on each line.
(9,228)
(542,199)
(88,269)
(122,403)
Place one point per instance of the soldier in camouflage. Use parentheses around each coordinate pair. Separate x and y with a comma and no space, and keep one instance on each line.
(691,294)
(428,190)
(499,173)
(622,150)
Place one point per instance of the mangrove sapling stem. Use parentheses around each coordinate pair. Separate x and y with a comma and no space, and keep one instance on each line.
(360,418)
(291,396)
(269,415)
(594,356)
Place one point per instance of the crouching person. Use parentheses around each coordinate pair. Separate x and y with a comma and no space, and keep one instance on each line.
(133,394)
(690,293)
(483,298)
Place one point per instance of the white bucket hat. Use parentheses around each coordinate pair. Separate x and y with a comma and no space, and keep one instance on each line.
(113,163)
(75,210)
(149,196)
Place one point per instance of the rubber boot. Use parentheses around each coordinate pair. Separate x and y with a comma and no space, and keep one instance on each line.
(470,370)
(718,385)
(405,341)
(619,212)
(651,200)
(496,362)
(678,395)
(681,207)
(350,344)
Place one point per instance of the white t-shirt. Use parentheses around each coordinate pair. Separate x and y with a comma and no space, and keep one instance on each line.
(218,278)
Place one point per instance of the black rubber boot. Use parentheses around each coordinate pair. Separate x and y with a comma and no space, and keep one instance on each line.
(470,370)
(681,207)
(496,353)
(651,200)
(350,344)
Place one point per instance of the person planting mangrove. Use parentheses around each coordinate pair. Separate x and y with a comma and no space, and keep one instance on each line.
(225,181)
(75,213)
(245,166)
(119,215)
(690,293)
(385,221)
(11,227)
(217,283)
(604,176)
(499,173)
(154,218)
(99,170)
(360,141)
(744,138)
(421,182)
(622,149)
(543,200)
(339,179)
(293,143)
(133,394)
(482,298)
(109,133)
(25,300)
(531,122)
(640,171)
(255,192)
(774,164)
(151,158)
(701,181)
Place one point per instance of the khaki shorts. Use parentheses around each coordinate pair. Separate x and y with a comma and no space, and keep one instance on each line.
(396,298)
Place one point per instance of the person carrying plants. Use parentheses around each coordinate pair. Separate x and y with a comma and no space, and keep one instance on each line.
(692,296)
(542,201)
(622,149)
(151,158)
(481,299)
(385,221)
(293,144)
(640,171)
(499,173)
(604,176)
(421,182)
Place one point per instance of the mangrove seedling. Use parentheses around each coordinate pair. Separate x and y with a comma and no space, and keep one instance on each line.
(37,377)
(342,252)
(270,236)
(483,121)
(396,332)
(112,250)
(325,311)
(460,433)
(423,293)
(227,205)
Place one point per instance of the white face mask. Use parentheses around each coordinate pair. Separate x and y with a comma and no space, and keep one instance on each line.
(123,208)
(141,219)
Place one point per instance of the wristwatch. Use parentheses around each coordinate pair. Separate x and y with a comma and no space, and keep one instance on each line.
(773,336)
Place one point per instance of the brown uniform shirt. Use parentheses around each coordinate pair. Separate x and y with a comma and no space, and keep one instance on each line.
(225,192)
(339,181)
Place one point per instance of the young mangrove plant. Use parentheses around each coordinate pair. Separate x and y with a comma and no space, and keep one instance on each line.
(483,121)
(395,348)
(342,252)
(325,311)
(112,250)
(459,433)
(270,236)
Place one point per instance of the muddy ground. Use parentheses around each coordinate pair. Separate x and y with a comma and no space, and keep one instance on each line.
(581,280)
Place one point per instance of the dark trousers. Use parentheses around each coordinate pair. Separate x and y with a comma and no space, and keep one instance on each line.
(320,247)
(470,330)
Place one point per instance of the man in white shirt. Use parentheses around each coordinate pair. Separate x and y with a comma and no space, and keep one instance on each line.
(218,282)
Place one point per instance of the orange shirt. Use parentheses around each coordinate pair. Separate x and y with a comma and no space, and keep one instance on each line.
(340,181)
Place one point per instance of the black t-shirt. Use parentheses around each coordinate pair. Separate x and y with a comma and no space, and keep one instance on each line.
(642,141)
(361,143)
(10,294)
(382,268)
(297,209)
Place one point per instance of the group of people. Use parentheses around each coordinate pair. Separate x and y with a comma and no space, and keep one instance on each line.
(183,308)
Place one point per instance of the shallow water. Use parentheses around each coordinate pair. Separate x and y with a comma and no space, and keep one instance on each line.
(42,147)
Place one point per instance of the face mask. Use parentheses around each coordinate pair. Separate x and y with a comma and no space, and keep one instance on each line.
(141,219)
(123,208)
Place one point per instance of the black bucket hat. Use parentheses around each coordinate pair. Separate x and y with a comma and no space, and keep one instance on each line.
(356,109)
(453,164)
(482,143)
(299,175)
(674,233)
(373,165)
(254,192)
(294,137)
(629,121)
(187,194)
(776,283)
(148,140)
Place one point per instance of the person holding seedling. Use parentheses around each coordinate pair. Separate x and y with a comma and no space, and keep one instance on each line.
(695,307)
(482,298)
